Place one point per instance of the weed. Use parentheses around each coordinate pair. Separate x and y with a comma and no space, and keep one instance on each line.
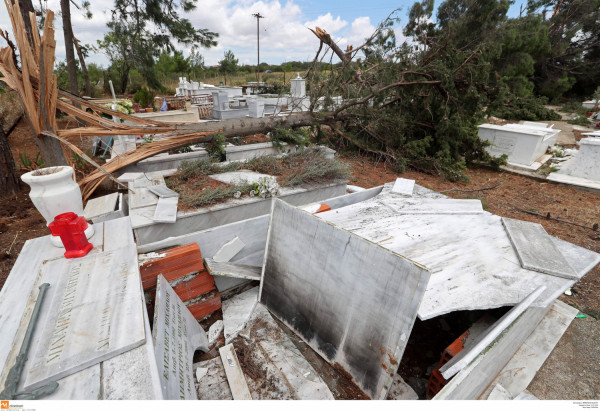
(29,164)
(215,148)
(185,149)
(78,161)
(211,195)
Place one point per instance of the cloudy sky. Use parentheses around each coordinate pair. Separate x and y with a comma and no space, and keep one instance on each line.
(283,32)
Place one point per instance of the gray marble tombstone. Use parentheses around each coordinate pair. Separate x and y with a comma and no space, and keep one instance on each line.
(176,336)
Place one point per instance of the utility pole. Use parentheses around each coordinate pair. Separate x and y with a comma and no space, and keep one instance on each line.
(258,17)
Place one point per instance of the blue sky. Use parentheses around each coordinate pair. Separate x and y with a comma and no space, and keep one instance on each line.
(284,33)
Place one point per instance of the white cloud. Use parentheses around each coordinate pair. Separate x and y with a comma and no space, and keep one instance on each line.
(284,33)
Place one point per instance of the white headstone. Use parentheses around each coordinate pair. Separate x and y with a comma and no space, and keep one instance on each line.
(176,335)
(298,87)
(92,312)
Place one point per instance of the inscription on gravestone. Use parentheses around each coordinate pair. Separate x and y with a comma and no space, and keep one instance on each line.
(93,312)
(176,336)
(503,145)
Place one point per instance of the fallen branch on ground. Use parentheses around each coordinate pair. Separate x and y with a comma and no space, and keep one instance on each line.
(471,191)
(549,217)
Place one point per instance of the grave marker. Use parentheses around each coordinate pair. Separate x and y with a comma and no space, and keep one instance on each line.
(93,312)
(176,336)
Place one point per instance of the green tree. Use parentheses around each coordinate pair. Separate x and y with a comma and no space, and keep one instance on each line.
(140,30)
(228,65)
(574,35)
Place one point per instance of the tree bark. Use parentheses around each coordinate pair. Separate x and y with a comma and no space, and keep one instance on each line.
(88,86)
(65,8)
(9,182)
(26,7)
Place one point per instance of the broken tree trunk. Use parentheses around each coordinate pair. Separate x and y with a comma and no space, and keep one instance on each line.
(65,7)
(9,182)
(26,7)
(86,76)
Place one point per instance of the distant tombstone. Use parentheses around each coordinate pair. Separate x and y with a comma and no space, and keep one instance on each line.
(298,88)
(176,336)
(92,312)
(256,107)
(220,100)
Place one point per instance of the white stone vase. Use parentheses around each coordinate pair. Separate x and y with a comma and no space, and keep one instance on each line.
(53,192)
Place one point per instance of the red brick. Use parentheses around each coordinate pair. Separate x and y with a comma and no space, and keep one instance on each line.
(205,308)
(197,286)
(177,262)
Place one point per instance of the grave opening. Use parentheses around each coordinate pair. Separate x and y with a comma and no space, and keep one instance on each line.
(430,339)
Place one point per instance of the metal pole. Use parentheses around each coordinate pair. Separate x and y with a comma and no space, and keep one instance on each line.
(258,17)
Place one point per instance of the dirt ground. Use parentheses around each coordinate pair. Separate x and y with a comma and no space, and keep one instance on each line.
(577,356)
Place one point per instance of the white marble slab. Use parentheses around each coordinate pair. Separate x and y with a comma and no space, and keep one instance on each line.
(240,177)
(92,312)
(535,249)
(516,376)
(352,301)
(237,311)
(214,385)
(404,187)
(97,207)
(176,335)
(290,375)
(235,375)
(163,191)
(166,210)
(432,206)
(229,250)
(232,270)
(489,275)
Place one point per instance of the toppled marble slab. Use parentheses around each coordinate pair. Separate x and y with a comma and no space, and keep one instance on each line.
(166,210)
(100,206)
(92,312)
(237,311)
(229,250)
(176,336)
(536,250)
(281,372)
(344,314)
(488,276)
(232,270)
(235,375)
(403,186)
(163,191)
(213,385)
(518,373)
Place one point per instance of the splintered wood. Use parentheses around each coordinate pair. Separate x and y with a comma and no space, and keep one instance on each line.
(37,87)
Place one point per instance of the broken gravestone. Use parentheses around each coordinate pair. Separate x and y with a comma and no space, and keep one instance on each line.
(176,336)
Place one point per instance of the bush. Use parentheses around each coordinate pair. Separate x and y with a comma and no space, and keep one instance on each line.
(144,97)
